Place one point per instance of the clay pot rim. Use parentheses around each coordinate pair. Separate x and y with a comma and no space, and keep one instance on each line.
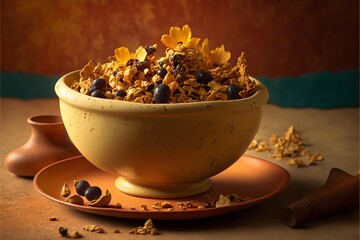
(45,120)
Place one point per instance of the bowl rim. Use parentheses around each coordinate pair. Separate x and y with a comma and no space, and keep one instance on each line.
(77,99)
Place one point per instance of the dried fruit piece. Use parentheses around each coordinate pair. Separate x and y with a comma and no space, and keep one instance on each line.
(65,191)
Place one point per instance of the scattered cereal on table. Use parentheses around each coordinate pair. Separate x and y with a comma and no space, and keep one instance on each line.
(290,147)
(74,234)
(148,228)
(93,228)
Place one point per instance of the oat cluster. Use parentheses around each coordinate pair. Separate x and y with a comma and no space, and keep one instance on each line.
(290,147)
(148,228)
(187,72)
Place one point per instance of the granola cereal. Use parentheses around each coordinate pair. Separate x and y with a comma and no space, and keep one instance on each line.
(93,228)
(230,199)
(148,228)
(162,205)
(289,146)
(188,72)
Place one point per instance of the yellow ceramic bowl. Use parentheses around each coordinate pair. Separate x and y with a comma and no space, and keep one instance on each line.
(160,150)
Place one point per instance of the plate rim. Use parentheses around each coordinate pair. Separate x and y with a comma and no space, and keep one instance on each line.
(164,215)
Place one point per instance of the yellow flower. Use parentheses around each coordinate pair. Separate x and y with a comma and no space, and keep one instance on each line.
(205,48)
(178,35)
(216,57)
(123,55)
(219,56)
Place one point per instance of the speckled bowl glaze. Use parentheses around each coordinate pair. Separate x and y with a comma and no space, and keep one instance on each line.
(160,150)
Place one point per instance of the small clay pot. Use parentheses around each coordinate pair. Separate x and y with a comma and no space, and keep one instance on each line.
(48,143)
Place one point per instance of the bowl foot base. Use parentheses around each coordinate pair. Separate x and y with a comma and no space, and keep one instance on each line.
(162,190)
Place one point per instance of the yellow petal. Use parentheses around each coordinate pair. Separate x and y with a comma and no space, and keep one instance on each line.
(219,56)
(140,54)
(168,41)
(175,33)
(193,42)
(122,55)
(205,48)
(185,34)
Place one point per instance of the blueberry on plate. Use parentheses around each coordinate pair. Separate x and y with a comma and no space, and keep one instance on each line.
(93,193)
(81,187)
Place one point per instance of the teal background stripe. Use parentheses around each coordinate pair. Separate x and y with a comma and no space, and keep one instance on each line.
(316,90)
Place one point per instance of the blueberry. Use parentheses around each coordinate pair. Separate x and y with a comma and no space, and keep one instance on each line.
(131,62)
(176,59)
(161,63)
(150,87)
(204,77)
(81,187)
(63,231)
(98,93)
(142,65)
(162,93)
(150,49)
(162,72)
(233,91)
(180,70)
(93,193)
(92,89)
(120,93)
(99,83)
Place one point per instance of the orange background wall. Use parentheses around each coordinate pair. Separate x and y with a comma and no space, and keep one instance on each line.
(281,38)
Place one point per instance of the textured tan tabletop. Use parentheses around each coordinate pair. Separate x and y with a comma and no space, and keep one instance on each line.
(334,133)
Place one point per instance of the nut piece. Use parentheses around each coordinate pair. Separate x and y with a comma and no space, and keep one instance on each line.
(76,199)
(65,191)
(102,201)
(93,228)
(148,228)
(74,234)
(227,200)
(161,205)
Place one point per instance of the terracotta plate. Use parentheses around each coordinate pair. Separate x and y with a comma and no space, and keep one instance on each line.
(249,176)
